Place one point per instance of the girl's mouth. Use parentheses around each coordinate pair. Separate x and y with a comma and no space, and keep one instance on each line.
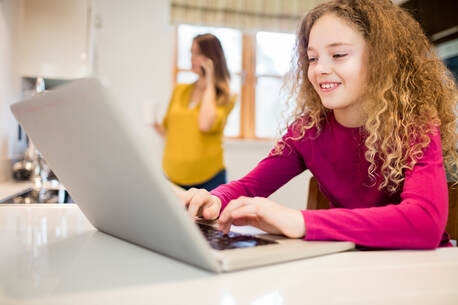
(328,86)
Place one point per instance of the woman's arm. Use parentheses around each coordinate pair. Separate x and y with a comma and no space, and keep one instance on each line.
(208,114)
(161,127)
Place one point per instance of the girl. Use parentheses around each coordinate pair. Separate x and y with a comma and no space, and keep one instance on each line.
(194,123)
(374,124)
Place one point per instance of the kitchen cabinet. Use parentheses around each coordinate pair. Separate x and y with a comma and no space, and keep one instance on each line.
(437,18)
(55,38)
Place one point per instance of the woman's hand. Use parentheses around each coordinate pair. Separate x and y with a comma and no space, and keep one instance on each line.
(200,203)
(263,214)
(209,71)
(159,129)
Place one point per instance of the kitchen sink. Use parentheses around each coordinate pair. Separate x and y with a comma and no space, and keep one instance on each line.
(42,195)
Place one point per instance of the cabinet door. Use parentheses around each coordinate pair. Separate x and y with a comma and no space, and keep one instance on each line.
(55,38)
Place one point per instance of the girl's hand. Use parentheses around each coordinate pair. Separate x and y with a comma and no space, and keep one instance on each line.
(200,203)
(263,214)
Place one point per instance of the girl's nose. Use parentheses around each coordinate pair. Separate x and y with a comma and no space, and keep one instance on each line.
(322,66)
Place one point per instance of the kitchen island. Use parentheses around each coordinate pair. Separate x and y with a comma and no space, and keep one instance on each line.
(51,254)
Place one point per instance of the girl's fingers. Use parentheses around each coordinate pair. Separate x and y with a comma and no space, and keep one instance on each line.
(196,200)
(241,211)
(200,202)
(234,204)
(211,208)
(245,215)
(245,210)
(187,196)
(261,213)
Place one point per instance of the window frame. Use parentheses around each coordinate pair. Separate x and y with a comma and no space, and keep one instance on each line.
(249,79)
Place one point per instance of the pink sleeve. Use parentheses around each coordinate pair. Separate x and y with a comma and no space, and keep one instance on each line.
(417,222)
(269,174)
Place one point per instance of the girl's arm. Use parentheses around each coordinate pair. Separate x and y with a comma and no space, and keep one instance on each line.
(250,208)
(269,175)
(417,222)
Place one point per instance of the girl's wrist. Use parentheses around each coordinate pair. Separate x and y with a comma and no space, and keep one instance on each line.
(298,225)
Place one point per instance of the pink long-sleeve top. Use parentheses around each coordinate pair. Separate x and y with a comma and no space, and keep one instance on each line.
(413,218)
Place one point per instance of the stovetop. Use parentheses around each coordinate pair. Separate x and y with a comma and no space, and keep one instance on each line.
(43,195)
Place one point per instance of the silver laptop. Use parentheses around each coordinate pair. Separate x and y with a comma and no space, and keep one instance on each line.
(107,160)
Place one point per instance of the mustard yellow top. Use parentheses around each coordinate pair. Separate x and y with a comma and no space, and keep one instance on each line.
(190,155)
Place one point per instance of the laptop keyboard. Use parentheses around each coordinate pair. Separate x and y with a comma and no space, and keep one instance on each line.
(220,241)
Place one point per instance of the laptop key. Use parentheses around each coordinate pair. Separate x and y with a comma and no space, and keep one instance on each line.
(220,241)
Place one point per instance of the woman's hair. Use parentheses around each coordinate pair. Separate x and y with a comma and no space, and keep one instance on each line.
(210,46)
(409,93)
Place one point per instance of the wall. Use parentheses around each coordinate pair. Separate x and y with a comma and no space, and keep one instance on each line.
(134,49)
(9,84)
(242,156)
(54,38)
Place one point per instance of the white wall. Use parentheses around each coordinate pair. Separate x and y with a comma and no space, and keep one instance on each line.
(53,38)
(9,83)
(242,156)
(134,49)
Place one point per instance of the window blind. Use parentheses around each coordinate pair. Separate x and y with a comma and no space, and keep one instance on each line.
(263,15)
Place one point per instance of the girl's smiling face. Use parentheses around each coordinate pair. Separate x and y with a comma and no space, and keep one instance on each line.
(337,67)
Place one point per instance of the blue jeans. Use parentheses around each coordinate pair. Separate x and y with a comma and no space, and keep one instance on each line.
(218,179)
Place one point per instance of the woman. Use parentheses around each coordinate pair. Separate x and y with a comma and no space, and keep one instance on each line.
(194,122)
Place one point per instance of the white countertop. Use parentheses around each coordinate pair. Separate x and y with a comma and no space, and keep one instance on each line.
(50,254)
(10,187)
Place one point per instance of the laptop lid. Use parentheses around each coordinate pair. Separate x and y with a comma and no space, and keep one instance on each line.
(106,162)
(109,164)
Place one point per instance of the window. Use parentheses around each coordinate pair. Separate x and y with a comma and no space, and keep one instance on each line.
(257,62)
(273,56)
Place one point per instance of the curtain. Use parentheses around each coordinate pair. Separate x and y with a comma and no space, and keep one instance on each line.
(266,15)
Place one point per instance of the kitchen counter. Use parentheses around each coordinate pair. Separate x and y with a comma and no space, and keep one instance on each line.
(29,192)
(11,187)
(50,254)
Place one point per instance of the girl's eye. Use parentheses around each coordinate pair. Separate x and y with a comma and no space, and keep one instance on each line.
(339,55)
(312,59)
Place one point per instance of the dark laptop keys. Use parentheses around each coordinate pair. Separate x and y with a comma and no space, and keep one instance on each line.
(232,240)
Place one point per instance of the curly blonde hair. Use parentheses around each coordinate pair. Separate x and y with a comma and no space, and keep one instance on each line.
(409,91)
